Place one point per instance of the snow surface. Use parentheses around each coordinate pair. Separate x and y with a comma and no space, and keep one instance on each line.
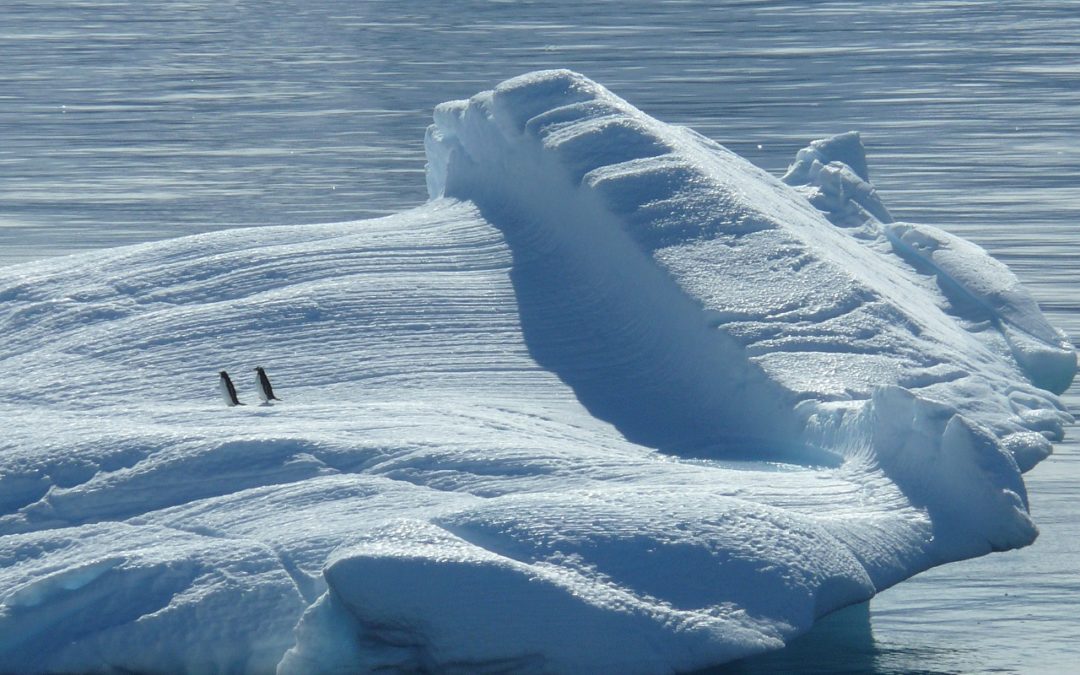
(614,400)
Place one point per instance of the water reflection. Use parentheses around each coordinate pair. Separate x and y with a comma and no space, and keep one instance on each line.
(844,642)
(124,122)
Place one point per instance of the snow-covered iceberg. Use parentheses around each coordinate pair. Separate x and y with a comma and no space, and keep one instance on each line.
(613,400)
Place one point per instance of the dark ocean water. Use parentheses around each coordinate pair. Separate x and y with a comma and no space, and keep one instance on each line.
(123,122)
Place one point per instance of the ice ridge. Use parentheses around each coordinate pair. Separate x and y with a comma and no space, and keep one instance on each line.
(699,265)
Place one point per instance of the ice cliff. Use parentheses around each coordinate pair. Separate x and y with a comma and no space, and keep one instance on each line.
(614,400)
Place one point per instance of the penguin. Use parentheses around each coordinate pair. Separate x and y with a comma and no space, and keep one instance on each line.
(228,391)
(262,385)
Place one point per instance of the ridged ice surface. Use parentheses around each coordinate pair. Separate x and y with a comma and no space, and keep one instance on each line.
(612,381)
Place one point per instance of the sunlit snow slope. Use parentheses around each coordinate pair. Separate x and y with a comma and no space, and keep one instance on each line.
(613,400)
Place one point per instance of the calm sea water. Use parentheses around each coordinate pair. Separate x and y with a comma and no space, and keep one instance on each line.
(124,122)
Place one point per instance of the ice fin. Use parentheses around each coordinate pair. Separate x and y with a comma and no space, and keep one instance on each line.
(834,171)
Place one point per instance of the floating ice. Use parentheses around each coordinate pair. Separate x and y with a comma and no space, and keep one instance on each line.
(612,381)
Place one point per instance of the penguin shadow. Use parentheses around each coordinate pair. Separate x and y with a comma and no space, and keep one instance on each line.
(263,388)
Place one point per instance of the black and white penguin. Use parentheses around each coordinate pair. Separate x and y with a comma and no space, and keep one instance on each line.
(228,391)
(262,385)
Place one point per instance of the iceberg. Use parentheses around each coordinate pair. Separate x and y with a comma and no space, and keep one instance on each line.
(613,400)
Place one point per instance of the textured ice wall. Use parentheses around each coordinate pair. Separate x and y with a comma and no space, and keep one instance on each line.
(756,314)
